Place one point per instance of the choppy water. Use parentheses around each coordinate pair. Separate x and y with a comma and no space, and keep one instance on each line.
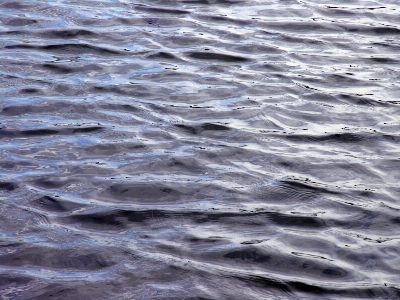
(207,149)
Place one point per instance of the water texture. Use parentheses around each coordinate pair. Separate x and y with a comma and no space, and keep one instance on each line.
(205,149)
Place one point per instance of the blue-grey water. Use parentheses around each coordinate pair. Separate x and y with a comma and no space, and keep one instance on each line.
(205,149)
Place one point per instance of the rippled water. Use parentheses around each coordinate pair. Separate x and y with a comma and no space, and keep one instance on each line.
(205,149)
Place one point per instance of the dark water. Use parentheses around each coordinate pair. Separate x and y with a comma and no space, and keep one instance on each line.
(206,149)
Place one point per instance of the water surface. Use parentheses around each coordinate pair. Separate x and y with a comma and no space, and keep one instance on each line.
(210,149)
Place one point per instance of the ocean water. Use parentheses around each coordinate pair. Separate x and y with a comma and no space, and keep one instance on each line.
(205,149)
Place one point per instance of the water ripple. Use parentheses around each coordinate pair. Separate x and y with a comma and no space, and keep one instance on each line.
(207,149)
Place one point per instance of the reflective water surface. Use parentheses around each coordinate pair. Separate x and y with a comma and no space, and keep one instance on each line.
(205,149)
